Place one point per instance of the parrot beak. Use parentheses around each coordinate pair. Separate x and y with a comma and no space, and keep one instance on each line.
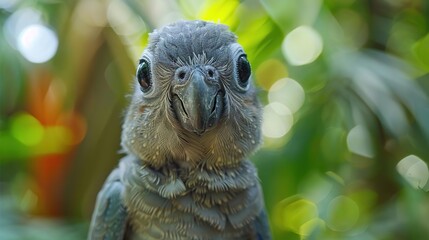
(198,103)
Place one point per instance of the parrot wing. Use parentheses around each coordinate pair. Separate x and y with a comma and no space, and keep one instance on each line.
(109,220)
(261,227)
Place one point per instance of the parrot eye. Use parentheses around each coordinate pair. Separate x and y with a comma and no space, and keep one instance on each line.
(243,70)
(143,75)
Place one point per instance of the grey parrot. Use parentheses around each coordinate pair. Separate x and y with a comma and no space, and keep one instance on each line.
(193,120)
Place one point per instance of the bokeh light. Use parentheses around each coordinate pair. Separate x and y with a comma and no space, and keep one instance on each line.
(37,43)
(277,120)
(27,129)
(287,92)
(298,215)
(18,21)
(414,170)
(343,213)
(359,141)
(302,45)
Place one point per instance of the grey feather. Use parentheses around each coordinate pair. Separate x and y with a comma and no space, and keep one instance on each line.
(261,226)
(110,217)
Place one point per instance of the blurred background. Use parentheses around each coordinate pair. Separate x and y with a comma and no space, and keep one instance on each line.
(344,83)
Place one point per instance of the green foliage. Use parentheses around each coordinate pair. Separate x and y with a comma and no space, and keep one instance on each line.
(348,158)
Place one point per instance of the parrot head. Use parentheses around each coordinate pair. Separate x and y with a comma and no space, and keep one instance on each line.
(193,102)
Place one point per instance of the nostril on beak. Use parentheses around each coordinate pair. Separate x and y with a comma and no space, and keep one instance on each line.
(181,75)
(210,73)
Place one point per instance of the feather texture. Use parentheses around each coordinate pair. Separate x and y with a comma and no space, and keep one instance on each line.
(176,183)
(188,213)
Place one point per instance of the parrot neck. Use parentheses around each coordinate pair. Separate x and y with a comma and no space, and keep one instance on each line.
(176,179)
(225,201)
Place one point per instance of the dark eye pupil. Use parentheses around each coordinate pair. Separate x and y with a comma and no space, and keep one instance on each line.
(143,75)
(243,68)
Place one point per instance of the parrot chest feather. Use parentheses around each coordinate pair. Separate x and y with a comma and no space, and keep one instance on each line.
(196,204)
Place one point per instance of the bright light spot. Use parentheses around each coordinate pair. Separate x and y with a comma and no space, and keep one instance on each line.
(414,170)
(287,92)
(37,43)
(302,45)
(278,120)
(18,21)
(359,142)
(343,213)
(27,129)
(298,215)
